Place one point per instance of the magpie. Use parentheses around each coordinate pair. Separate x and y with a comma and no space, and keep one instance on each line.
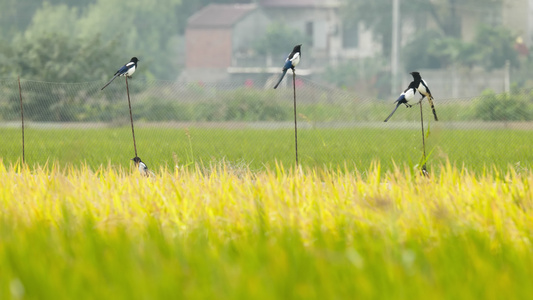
(404,98)
(292,61)
(143,169)
(423,89)
(126,70)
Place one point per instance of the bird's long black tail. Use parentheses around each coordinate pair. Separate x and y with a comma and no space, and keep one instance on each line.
(109,82)
(393,111)
(430,100)
(280,79)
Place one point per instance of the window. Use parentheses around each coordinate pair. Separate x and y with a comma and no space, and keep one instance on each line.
(350,35)
(309,32)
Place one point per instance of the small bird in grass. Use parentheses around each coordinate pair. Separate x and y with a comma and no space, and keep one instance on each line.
(423,89)
(143,169)
(126,70)
(292,61)
(404,98)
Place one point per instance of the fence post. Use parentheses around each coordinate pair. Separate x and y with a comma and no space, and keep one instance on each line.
(22,119)
(131,117)
(295,122)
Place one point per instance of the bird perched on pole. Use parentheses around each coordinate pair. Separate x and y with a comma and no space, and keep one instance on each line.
(143,169)
(292,61)
(404,98)
(126,70)
(423,89)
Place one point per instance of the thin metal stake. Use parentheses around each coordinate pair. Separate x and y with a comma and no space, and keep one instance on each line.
(22,118)
(131,117)
(295,122)
(424,170)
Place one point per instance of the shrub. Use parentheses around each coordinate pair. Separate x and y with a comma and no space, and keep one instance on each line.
(503,107)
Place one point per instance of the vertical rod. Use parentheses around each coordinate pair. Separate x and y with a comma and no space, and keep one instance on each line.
(22,118)
(295,122)
(131,117)
(423,140)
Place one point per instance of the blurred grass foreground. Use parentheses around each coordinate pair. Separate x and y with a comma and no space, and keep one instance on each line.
(222,232)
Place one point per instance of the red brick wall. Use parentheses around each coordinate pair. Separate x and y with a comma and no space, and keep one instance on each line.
(208,48)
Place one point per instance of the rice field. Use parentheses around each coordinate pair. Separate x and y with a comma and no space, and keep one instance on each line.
(222,231)
(259,148)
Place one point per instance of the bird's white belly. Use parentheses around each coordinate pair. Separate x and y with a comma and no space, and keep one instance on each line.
(296,61)
(409,95)
(130,71)
(422,88)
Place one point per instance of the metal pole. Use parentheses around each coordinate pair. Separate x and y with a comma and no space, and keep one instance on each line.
(395,46)
(131,116)
(295,122)
(22,118)
(424,170)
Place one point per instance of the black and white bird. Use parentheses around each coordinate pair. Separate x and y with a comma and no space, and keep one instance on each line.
(404,98)
(143,169)
(292,61)
(423,89)
(126,70)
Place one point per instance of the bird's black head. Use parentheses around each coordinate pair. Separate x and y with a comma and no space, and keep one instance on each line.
(297,48)
(416,75)
(136,159)
(134,59)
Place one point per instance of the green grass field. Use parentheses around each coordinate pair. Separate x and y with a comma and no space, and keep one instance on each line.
(260,148)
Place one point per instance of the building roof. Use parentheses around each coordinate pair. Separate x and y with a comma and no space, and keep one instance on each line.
(220,15)
(298,3)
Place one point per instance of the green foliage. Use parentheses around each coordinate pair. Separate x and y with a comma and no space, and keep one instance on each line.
(496,46)
(364,72)
(446,14)
(238,105)
(504,107)
(491,48)
(415,54)
(279,40)
(343,75)
(122,23)
(59,58)
(245,106)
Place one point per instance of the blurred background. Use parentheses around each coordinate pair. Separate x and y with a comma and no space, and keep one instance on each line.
(460,47)
(211,64)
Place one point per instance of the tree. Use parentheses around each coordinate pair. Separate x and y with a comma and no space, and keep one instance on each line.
(278,40)
(377,15)
(496,46)
(492,48)
(59,58)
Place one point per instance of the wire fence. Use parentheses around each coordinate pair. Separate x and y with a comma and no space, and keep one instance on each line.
(183,123)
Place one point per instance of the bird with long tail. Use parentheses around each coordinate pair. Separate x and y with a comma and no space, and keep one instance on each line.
(292,61)
(404,98)
(423,89)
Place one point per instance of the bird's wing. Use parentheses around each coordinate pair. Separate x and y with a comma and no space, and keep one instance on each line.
(122,70)
(287,65)
(294,56)
(401,99)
